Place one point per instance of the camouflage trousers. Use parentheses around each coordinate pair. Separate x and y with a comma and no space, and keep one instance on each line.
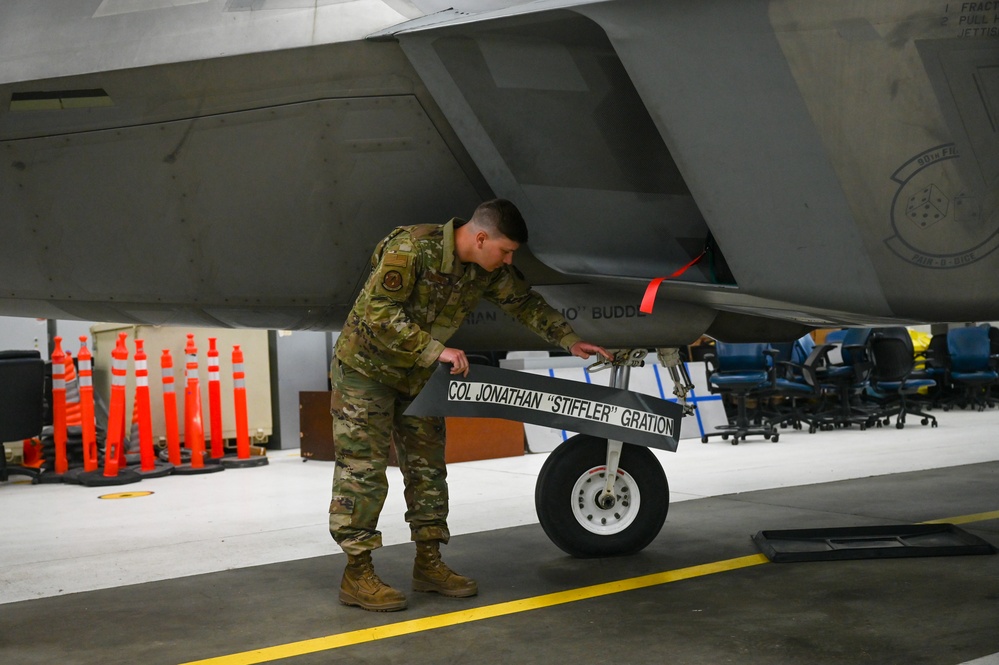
(367,418)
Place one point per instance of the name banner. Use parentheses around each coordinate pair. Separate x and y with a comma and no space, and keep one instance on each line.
(612,413)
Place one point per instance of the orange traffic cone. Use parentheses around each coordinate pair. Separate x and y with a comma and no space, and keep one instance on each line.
(114,472)
(61,465)
(149,467)
(243,457)
(87,420)
(74,422)
(214,401)
(194,429)
(74,416)
(170,408)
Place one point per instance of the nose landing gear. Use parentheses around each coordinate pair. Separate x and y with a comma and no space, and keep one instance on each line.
(597,497)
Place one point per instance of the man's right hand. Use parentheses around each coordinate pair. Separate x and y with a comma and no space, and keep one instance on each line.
(457,360)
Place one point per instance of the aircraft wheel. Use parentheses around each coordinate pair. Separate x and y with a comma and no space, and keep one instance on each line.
(570,483)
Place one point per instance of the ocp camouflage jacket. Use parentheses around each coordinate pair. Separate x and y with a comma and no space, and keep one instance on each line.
(416,297)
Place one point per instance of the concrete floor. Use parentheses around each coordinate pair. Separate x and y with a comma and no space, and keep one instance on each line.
(170,577)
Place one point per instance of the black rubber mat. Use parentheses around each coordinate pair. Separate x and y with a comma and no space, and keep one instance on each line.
(869,542)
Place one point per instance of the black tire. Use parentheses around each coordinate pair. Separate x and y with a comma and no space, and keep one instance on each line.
(578,461)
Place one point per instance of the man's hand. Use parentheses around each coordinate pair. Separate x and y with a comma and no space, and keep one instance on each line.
(457,359)
(585,350)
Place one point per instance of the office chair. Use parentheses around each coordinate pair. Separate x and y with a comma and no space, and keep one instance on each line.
(740,370)
(972,366)
(994,351)
(790,383)
(937,367)
(892,382)
(22,380)
(844,381)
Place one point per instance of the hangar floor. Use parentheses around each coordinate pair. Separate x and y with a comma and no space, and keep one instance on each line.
(237,567)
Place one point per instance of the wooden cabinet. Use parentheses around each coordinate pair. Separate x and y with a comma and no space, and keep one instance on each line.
(468,439)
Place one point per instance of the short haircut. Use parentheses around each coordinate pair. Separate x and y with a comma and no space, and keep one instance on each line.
(502,216)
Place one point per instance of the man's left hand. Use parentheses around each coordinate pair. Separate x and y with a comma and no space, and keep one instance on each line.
(585,350)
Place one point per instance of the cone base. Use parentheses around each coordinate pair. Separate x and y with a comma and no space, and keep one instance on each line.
(188,470)
(98,479)
(72,477)
(237,463)
(50,477)
(158,471)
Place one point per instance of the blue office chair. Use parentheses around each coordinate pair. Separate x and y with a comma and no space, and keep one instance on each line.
(740,370)
(22,383)
(972,367)
(892,380)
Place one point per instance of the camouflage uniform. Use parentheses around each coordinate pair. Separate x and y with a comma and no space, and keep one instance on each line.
(415,298)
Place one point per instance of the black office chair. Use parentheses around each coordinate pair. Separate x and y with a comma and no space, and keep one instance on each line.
(892,381)
(799,396)
(937,367)
(22,381)
(844,382)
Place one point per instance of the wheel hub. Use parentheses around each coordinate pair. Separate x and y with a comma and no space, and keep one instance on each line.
(600,513)
(604,500)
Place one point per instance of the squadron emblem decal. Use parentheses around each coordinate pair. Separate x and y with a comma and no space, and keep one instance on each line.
(392,281)
(937,221)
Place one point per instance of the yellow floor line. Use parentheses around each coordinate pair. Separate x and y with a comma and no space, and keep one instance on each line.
(966,519)
(477,614)
(375,633)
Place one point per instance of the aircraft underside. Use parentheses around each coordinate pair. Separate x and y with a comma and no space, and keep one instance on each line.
(830,163)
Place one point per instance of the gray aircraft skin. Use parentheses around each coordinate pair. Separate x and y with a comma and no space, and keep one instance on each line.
(234,162)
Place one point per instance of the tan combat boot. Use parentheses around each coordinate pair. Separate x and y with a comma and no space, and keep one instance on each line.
(432,574)
(362,588)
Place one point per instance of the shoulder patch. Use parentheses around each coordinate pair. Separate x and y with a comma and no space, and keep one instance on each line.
(392,281)
(393,259)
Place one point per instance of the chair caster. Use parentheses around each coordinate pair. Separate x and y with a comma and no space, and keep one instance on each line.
(933,424)
(899,425)
(704,439)
(775,438)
